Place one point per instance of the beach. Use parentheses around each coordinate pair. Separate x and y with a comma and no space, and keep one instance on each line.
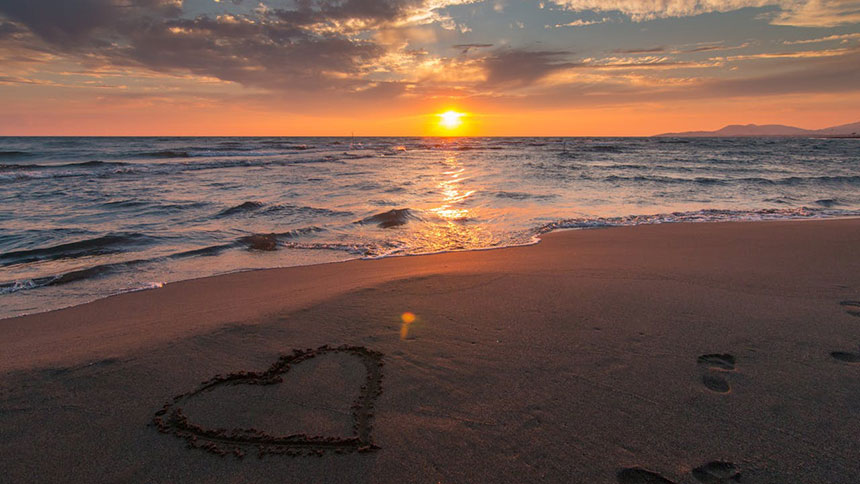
(709,352)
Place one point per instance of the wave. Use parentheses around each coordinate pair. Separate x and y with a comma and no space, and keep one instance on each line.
(165,154)
(263,242)
(828,202)
(294,210)
(706,215)
(88,164)
(14,154)
(83,164)
(68,277)
(389,219)
(266,242)
(272,241)
(241,208)
(605,149)
(850,179)
(203,251)
(661,179)
(786,181)
(103,169)
(107,244)
(8,168)
(287,146)
(363,250)
(275,241)
(280,209)
(524,196)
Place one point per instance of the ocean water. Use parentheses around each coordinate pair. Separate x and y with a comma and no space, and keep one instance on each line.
(83,218)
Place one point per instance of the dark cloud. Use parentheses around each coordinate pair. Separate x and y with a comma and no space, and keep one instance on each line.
(661,64)
(270,55)
(797,76)
(373,12)
(826,74)
(707,48)
(465,48)
(64,21)
(9,29)
(277,49)
(516,67)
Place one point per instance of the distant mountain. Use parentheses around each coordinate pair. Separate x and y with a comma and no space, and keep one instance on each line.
(850,130)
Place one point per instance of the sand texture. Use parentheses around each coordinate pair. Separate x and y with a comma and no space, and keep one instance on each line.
(686,353)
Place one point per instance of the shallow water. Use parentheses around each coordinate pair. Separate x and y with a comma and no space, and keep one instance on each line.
(82,218)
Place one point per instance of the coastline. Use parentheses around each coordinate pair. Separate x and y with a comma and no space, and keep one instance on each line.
(535,235)
(328,270)
(587,344)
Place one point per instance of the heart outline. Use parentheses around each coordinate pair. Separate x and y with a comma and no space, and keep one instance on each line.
(170,419)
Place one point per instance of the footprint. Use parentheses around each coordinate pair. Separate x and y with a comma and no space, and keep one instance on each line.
(851,307)
(716,363)
(636,475)
(717,472)
(725,362)
(846,357)
(716,383)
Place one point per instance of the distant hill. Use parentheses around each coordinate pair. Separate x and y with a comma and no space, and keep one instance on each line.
(852,129)
(848,130)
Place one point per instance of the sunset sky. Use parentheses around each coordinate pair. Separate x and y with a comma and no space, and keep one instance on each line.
(308,67)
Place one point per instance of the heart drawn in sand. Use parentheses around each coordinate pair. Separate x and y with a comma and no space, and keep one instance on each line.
(238,441)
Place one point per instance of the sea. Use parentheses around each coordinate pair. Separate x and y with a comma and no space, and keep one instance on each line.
(85,218)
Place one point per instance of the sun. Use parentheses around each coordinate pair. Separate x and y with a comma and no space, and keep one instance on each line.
(451,119)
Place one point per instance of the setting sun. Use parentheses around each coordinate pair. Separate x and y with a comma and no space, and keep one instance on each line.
(451,119)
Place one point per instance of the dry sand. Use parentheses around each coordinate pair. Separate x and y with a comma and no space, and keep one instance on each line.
(696,352)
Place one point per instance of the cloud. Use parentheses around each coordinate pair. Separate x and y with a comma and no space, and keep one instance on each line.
(76,21)
(521,67)
(842,38)
(9,29)
(651,50)
(819,13)
(806,13)
(580,23)
(790,55)
(703,48)
(315,44)
(465,48)
(359,50)
(596,86)
(815,74)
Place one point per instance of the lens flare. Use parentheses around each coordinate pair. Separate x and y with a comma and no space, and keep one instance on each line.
(407,318)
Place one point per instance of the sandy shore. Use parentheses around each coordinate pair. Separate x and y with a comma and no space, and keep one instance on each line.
(696,352)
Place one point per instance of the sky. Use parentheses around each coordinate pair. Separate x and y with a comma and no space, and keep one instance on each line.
(389,67)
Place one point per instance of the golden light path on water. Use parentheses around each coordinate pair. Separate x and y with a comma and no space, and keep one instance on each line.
(452,224)
(452,192)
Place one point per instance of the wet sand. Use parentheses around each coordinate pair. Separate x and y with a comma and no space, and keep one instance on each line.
(680,353)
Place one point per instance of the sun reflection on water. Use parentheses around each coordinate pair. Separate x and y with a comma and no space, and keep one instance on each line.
(454,228)
(452,193)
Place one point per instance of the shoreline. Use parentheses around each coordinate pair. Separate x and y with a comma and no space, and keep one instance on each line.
(590,356)
(152,294)
(536,239)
